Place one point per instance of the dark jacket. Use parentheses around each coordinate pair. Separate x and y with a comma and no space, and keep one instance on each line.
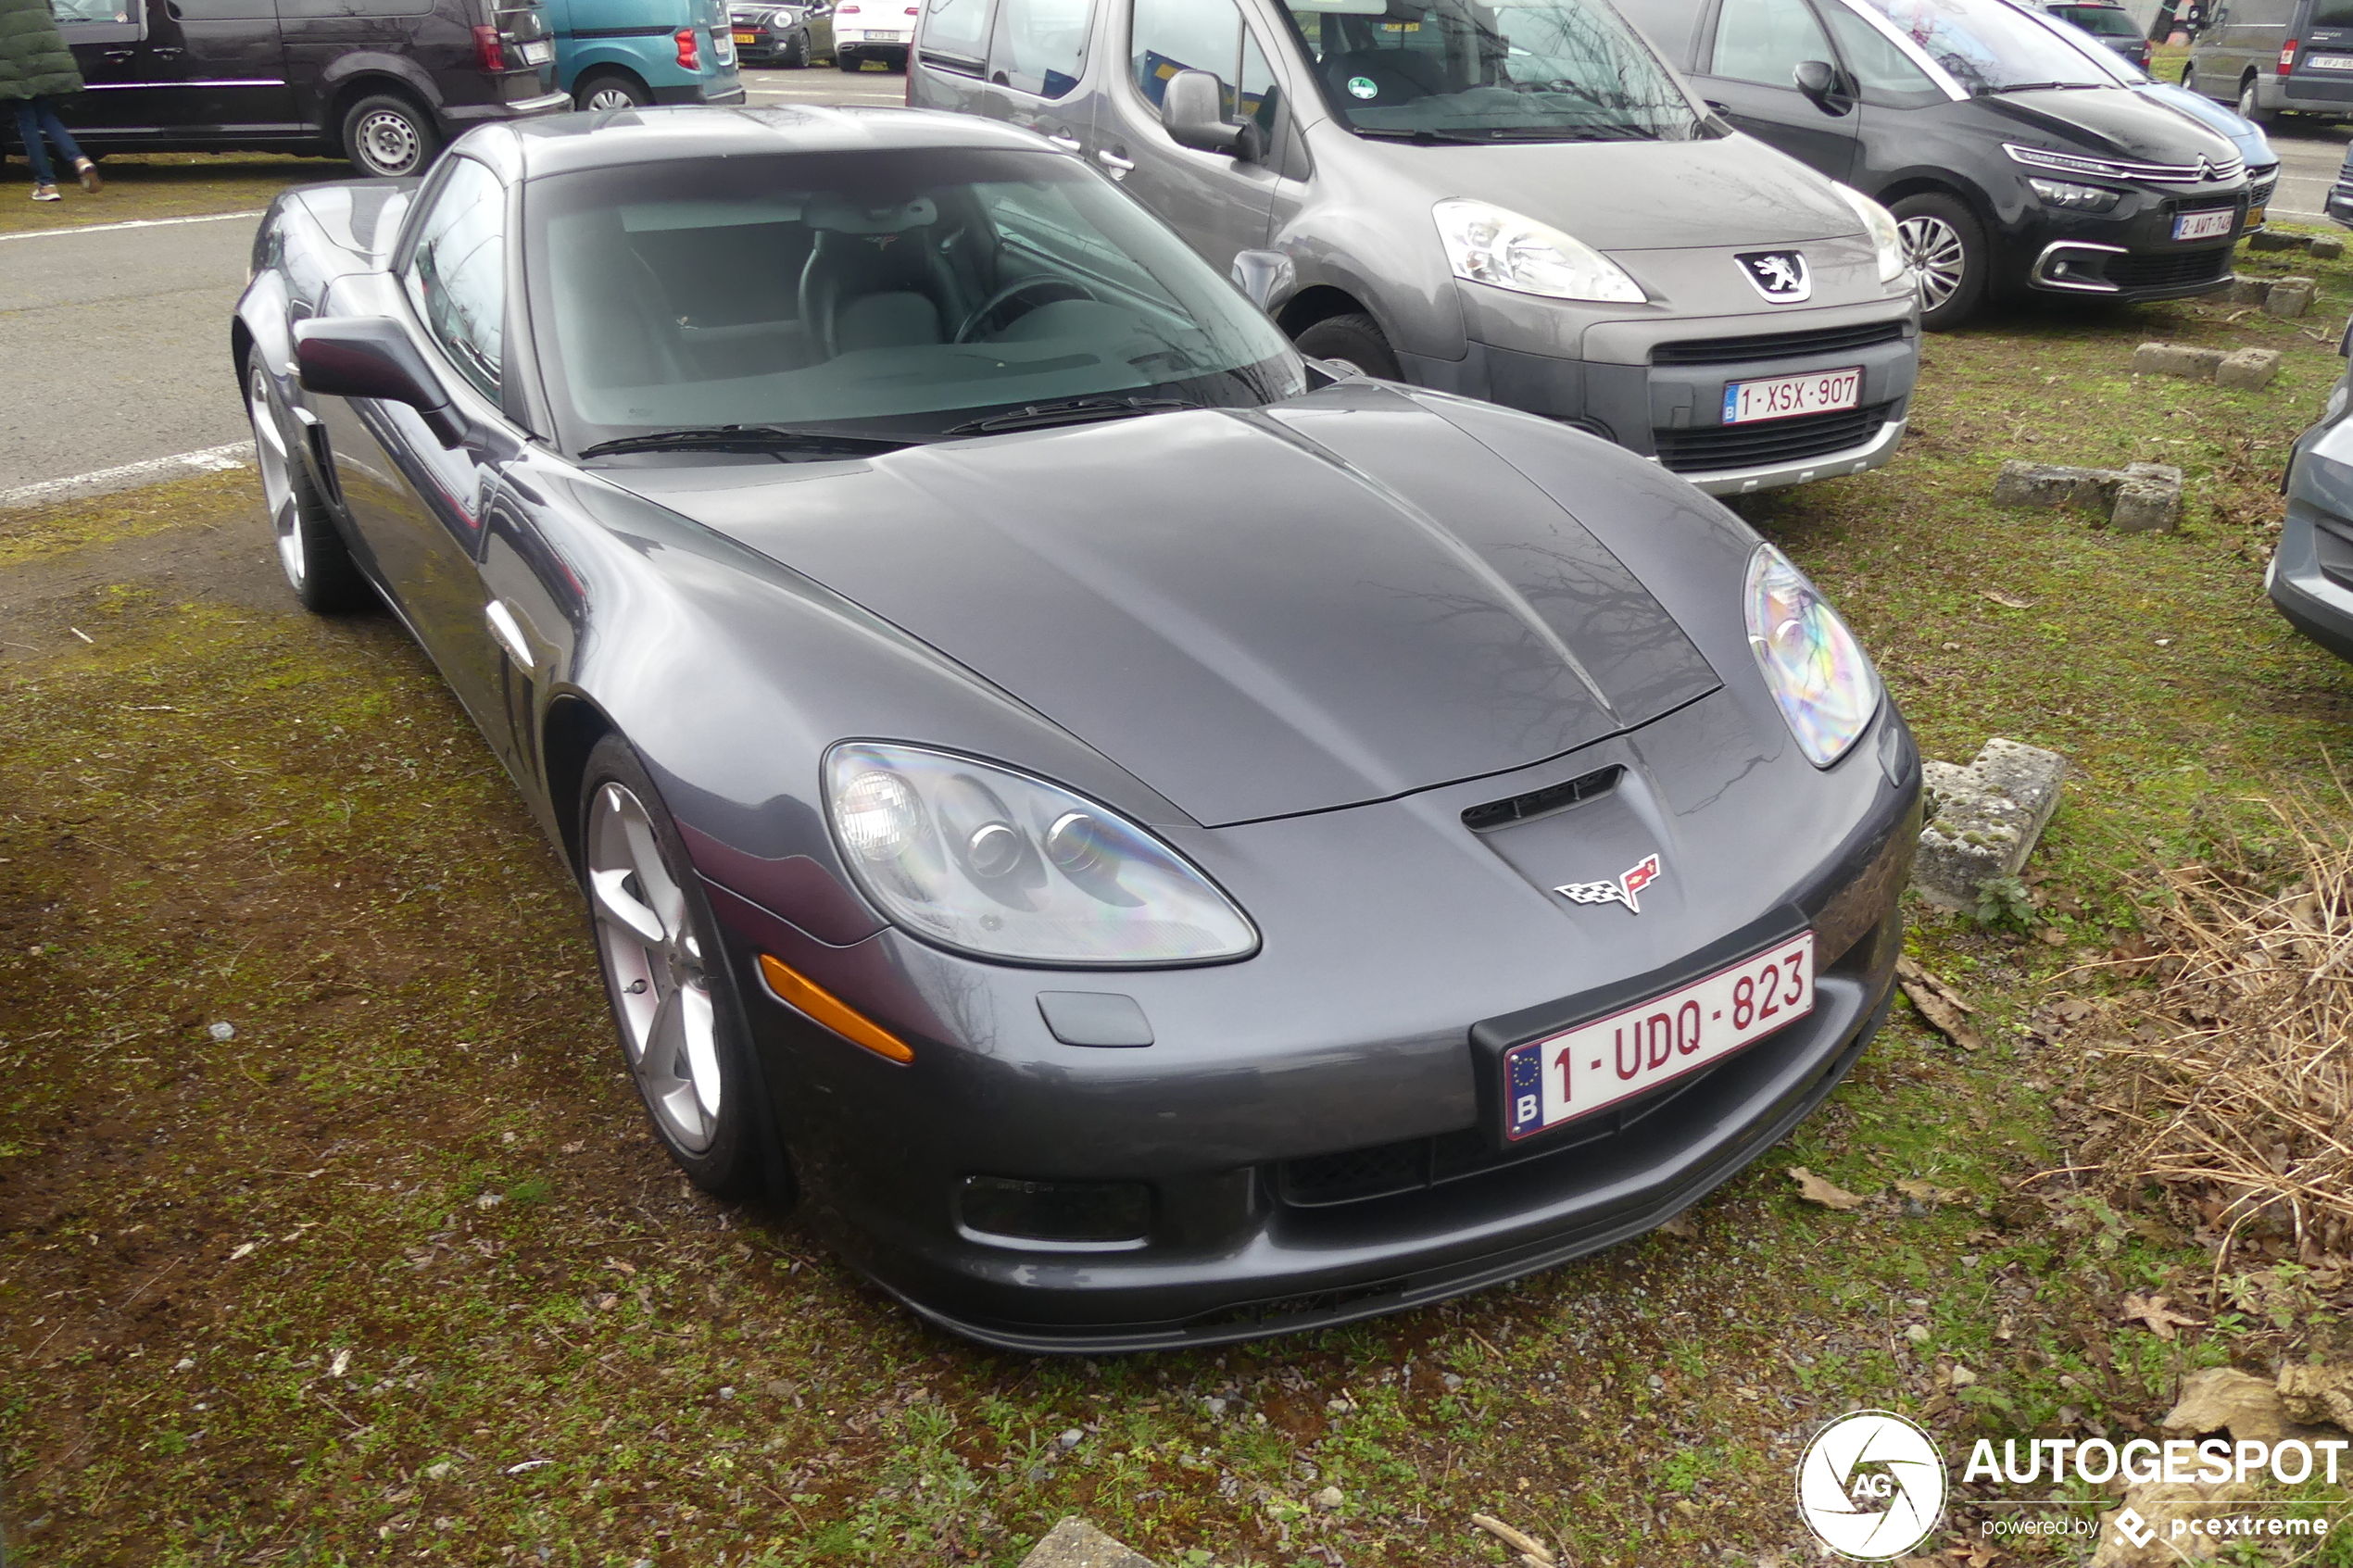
(34,61)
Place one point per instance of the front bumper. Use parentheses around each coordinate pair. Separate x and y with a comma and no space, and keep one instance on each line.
(2311,577)
(724,91)
(2131,254)
(467,116)
(1267,1077)
(1657,387)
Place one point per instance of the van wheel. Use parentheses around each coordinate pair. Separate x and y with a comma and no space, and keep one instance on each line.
(610,90)
(2252,111)
(386,137)
(2189,75)
(1945,246)
(1354,340)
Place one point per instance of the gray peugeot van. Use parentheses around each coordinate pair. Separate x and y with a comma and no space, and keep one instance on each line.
(2275,56)
(1510,199)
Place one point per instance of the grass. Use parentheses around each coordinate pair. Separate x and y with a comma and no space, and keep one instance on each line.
(395,1273)
(150,185)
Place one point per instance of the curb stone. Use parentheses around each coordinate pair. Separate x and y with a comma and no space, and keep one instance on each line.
(1988,818)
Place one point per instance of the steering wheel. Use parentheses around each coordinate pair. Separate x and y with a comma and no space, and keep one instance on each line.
(1012,291)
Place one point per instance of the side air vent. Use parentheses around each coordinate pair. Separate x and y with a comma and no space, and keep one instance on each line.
(1540,802)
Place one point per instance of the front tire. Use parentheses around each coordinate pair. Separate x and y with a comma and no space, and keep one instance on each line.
(610,90)
(796,52)
(682,1031)
(1354,340)
(317,562)
(388,136)
(1945,245)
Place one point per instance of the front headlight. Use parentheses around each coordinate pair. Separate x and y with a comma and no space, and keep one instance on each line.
(1825,685)
(996,863)
(780,20)
(1887,239)
(1486,244)
(2075,199)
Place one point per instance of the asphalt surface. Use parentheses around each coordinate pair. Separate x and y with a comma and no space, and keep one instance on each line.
(2309,157)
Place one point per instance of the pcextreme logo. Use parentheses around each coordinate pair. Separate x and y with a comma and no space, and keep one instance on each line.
(1871,1485)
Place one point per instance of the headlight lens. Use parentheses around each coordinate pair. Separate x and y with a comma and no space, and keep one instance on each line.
(993,863)
(2075,199)
(780,20)
(1887,239)
(1825,685)
(1488,245)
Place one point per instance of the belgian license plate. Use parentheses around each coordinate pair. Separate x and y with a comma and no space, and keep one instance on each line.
(538,52)
(1785,397)
(1595,1065)
(2203,225)
(747,37)
(889,37)
(2328,62)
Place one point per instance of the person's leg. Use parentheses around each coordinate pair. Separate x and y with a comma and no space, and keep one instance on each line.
(67,149)
(35,152)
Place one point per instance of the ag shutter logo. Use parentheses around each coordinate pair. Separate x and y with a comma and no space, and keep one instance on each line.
(1871,1485)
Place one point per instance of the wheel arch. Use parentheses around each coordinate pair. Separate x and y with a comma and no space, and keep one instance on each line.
(355,77)
(608,62)
(569,732)
(1319,302)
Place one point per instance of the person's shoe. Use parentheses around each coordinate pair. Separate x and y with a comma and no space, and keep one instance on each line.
(45,192)
(89,173)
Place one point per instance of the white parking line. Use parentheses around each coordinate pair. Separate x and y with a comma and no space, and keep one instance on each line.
(132,224)
(212,460)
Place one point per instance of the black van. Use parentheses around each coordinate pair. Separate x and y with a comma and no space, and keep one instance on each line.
(2275,56)
(383,82)
(2014,163)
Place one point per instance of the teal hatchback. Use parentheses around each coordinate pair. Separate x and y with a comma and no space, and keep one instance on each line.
(622,54)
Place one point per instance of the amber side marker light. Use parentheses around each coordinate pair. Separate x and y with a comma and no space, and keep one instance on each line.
(812,999)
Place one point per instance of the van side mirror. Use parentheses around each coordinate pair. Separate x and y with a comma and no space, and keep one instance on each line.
(1819,82)
(1267,276)
(1192,111)
(374,357)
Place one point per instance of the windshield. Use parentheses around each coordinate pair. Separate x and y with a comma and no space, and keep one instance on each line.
(875,294)
(1549,70)
(1987,47)
(2108,21)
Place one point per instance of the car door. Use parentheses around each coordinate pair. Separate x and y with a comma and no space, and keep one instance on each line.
(1748,74)
(1037,62)
(123,82)
(1220,205)
(418,505)
(232,64)
(1900,118)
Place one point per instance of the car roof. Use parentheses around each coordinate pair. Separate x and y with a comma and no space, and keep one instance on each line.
(561,143)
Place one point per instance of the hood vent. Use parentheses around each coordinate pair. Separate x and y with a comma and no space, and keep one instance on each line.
(1541,802)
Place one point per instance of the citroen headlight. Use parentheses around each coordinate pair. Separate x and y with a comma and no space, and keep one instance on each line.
(2075,199)
(1486,244)
(1825,685)
(1887,239)
(996,863)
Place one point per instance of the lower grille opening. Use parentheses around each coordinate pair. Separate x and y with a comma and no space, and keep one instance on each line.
(1716,447)
(1776,345)
(2334,543)
(2165,271)
(1321,1304)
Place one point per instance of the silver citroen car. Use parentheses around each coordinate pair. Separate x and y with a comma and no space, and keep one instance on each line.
(1515,200)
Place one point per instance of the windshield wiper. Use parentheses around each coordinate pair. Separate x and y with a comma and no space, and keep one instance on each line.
(1570,133)
(1422,135)
(1069,411)
(779,440)
(2037,86)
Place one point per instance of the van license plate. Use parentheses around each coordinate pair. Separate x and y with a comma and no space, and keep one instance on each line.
(2328,62)
(1785,397)
(2203,225)
(1597,1064)
(538,52)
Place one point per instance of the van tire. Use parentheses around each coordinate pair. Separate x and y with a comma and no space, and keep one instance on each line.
(1354,340)
(2250,110)
(1941,233)
(387,135)
(617,89)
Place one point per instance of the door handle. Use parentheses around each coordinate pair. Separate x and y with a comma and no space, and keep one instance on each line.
(508,634)
(166,54)
(117,56)
(1068,143)
(1110,160)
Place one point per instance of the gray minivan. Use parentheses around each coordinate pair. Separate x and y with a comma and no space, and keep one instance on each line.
(1510,199)
(2270,56)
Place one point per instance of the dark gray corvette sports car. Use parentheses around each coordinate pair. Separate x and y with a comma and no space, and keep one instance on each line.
(1152,843)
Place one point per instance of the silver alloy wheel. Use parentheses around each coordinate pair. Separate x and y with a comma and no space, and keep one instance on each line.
(655,965)
(277,475)
(1934,250)
(2247,99)
(610,96)
(388,142)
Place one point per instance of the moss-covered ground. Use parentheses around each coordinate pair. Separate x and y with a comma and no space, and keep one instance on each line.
(330,1233)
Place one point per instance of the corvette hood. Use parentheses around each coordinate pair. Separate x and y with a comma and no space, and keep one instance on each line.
(1339,600)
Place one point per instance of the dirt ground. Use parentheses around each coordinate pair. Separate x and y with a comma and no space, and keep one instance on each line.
(330,1231)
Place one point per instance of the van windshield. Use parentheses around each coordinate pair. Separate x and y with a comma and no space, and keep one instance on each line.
(1988,47)
(1504,70)
(2108,21)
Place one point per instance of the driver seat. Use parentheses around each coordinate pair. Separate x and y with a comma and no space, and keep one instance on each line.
(874,278)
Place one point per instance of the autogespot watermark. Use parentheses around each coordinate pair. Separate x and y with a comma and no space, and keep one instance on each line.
(1872,1485)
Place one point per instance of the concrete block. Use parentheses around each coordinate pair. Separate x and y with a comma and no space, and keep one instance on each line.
(2146,508)
(2052,485)
(2290,297)
(1987,818)
(2247,291)
(2249,370)
(2326,247)
(2177,359)
(1074,1543)
(2274,239)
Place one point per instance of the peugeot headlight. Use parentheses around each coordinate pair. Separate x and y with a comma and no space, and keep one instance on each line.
(996,863)
(1486,244)
(1887,239)
(1825,685)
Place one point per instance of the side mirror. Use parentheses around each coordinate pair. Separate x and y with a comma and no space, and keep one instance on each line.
(1818,80)
(374,357)
(1193,112)
(1267,276)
